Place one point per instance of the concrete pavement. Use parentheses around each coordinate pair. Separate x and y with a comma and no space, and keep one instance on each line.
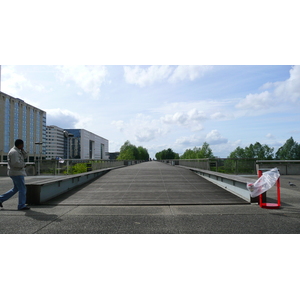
(152,198)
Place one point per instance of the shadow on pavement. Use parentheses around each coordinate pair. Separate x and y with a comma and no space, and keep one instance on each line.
(40,216)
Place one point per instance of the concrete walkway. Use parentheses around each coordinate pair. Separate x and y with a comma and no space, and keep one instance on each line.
(150,183)
(152,198)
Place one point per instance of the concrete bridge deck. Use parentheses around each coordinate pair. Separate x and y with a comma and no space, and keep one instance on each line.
(150,183)
(151,198)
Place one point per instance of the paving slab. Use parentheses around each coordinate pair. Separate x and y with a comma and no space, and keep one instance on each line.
(170,224)
(151,183)
(129,206)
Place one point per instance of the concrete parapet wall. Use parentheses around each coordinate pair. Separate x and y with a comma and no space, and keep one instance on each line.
(30,169)
(45,190)
(285,167)
(232,183)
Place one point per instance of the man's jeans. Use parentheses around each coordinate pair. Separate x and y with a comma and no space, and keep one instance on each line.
(19,186)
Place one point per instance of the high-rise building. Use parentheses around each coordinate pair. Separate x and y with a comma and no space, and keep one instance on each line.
(20,120)
(55,142)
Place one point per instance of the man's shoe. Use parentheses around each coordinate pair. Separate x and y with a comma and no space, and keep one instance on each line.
(1,204)
(24,208)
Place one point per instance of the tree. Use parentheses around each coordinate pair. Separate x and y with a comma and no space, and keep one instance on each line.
(256,151)
(290,150)
(237,153)
(166,154)
(246,156)
(130,152)
(142,153)
(198,152)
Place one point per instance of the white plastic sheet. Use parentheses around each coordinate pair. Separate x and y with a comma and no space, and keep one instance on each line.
(264,183)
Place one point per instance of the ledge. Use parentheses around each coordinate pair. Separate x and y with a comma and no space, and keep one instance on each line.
(234,184)
(44,190)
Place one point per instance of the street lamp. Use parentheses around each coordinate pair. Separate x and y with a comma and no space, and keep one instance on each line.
(39,160)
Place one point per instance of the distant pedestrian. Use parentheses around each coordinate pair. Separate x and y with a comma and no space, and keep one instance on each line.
(16,171)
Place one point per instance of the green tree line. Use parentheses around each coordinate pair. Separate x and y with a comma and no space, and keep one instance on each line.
(289,151)
(130,152)
(198,152)
(195,153)
(166,154)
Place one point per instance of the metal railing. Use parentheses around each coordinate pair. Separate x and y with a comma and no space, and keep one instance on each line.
(77,166)
(68,166)
(222,165)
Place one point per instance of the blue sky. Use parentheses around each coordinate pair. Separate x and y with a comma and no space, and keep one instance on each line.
(160,75)
(162,106)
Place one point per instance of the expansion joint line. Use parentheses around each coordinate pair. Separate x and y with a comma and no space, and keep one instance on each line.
(133,180)
(75,206)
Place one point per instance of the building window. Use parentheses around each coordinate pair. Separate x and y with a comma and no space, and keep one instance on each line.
(37,133)
(31,130)
(24,133)
(16,121)
(7,126)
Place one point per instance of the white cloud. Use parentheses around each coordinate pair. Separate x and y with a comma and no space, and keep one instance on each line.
(87,78)
(119,125)
(214,138)
(188,72)
(65,118)
(146,135)
(190,119)
(147,76)
(287,91)
(12,82)
(270,136)
(191,141)
(221,116)
(143,128)
(269,85)
(256,101)
(141,76)
(223,150)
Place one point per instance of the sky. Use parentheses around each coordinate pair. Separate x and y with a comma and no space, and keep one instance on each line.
(164,75)
(166,106)
(160,74)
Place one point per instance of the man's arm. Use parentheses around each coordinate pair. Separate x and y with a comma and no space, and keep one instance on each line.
(24,153)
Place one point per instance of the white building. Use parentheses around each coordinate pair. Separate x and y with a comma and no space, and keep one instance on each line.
(55,142)
(84,144)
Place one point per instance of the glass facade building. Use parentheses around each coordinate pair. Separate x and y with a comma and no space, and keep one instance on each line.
(86,145)
(20,120)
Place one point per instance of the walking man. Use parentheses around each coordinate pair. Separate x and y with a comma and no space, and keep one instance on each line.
(16,171)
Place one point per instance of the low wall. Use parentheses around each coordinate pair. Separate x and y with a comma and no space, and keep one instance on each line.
(234,184)
(44,190)
(285,167)
(30,169)
(53,167)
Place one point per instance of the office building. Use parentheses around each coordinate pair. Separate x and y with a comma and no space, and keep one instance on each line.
(83,144)
(20,120)
(55,142)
